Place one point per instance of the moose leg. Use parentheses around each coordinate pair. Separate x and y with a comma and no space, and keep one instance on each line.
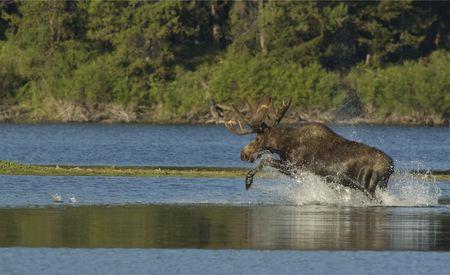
(374,182)
(379,180)
(277,164)
(361,182)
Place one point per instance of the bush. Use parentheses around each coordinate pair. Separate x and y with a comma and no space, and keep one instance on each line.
(237,79)
(415,87)
(97,82)
(10,78)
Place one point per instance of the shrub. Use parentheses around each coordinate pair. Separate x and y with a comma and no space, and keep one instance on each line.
(242,78)
(413,87)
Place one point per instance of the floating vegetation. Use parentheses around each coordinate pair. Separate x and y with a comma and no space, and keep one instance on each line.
(12,168)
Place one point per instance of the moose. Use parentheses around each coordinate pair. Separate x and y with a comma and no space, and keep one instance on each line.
(314,148)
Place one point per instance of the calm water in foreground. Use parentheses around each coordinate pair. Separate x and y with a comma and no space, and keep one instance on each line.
(187,261)
(175,225)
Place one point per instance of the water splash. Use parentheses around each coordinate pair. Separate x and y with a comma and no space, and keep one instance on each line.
(404,189)
(411,189)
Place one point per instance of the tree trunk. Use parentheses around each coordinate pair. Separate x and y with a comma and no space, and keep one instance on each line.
(262,36)
(216,30)
(368,58)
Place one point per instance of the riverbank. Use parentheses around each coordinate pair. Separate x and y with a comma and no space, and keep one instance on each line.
(62,112)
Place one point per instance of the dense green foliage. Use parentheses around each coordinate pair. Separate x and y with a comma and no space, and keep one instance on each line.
(176,57)
(413,87)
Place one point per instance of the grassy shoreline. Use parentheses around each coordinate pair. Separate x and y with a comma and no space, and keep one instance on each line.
(12,168)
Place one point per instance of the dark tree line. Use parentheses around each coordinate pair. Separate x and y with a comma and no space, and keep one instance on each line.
(177,54)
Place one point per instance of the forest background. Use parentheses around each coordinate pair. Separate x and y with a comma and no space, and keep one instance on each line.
(171,61)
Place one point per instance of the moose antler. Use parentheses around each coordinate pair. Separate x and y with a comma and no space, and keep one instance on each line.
(261,109)
(228,116)
(242,117)
(256,118)
(231,125)
(281,112)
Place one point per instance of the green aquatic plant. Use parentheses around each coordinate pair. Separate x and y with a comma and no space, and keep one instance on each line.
(12,168)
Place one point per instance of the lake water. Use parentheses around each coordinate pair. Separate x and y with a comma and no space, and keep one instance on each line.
(213,145)
(188,261)
(200,225)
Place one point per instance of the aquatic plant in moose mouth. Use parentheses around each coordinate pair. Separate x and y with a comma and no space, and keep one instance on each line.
(314,148)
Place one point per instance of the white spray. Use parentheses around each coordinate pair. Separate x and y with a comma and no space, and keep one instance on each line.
(404,189)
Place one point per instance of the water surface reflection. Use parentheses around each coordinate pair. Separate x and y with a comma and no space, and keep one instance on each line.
(230,227)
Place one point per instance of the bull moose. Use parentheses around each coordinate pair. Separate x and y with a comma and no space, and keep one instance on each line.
(313,147)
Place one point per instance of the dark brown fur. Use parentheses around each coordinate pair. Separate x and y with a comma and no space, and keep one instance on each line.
(317,149)
(314,148)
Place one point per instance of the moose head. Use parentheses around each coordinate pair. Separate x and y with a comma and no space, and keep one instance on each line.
(260,118)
